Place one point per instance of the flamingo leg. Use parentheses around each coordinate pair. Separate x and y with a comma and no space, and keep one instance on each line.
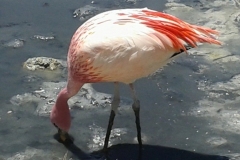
(114,107)
(136,109)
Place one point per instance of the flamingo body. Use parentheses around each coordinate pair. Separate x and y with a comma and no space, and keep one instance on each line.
(113,44)
(123,46)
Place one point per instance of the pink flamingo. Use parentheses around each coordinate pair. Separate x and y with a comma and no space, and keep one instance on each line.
(123,46)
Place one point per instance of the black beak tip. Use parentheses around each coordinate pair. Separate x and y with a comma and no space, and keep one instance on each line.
(68,140)
(63,137)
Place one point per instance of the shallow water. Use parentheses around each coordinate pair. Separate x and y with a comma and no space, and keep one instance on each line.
(184,110)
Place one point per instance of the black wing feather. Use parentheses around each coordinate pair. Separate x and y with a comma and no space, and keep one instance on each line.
(181,51)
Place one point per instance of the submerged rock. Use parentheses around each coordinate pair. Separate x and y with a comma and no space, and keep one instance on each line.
(45,97)
(43,63)
(31,79)
(98,136)
(221,104)
(232,85)
(234,156)
(23,99)
(40,37)
(216,141)
(16,43)
(86,12)
(32,153)
(131,1)
(236,19)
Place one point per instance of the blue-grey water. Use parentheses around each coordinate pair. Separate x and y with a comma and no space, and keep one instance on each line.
(176,124)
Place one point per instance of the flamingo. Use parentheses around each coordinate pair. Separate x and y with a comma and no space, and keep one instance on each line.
(121,46)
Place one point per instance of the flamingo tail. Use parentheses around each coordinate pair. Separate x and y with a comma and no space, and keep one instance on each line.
(180,33)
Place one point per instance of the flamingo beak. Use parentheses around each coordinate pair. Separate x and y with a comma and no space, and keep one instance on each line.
(63,137)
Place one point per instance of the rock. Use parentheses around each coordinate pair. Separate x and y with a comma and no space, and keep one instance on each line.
(16,43)
(42,63)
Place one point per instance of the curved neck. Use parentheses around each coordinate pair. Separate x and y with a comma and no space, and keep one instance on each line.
(60,114)
(62,98)
(67,92)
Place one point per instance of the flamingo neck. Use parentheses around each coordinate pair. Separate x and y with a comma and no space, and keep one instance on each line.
(62,99)
(66,93)
(60,114)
